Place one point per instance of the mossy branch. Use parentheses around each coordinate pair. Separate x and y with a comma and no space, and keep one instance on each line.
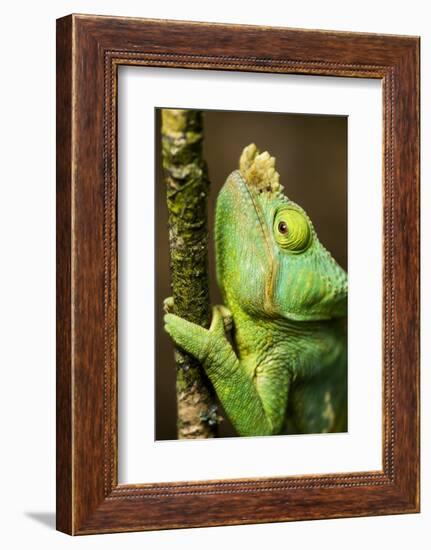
(187,188)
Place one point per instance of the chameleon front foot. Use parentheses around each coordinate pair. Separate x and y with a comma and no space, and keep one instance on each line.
(190,337)
(193,338)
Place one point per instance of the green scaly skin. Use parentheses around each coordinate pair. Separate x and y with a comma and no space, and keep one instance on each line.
(286,298)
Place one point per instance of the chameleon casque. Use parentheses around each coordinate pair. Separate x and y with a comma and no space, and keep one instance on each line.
(286,307)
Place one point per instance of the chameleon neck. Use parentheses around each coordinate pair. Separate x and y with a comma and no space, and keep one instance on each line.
(299,346)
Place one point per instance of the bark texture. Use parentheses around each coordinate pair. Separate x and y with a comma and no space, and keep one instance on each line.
(187,186)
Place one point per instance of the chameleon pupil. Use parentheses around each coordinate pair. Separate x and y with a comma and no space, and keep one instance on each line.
(282,227)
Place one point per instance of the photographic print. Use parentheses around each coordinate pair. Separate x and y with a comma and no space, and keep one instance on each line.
(204,373)
(251,274)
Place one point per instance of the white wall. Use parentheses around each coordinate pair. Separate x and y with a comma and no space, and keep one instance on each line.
(27,236)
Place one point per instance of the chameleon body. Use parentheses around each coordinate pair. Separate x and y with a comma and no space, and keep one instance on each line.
(286,305)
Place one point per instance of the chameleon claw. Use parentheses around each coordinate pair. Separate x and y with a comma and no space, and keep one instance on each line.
(211,416)
(226,316)
(168,304)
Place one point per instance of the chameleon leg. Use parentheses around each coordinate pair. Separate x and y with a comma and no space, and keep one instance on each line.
(234,384)
(168,307)
(191,337)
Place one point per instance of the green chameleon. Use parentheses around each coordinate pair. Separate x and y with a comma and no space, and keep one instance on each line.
(286,309)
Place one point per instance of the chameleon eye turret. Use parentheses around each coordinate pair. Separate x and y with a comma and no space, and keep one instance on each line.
(291,230)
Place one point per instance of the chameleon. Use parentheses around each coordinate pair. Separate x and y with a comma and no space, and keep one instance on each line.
(276,350)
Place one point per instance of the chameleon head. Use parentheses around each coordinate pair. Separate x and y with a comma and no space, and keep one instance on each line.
(270,261)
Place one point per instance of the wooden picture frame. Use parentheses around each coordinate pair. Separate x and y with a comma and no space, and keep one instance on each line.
(89,51)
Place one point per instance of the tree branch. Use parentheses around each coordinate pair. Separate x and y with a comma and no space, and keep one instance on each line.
(187,186)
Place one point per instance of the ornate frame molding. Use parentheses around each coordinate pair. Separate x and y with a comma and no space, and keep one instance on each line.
(90,49)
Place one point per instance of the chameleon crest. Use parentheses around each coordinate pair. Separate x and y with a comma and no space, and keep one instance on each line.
(258,170)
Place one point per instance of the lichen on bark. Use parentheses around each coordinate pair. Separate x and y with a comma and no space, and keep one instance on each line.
(187,187)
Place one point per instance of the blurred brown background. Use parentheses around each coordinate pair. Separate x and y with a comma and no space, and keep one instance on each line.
(311,158)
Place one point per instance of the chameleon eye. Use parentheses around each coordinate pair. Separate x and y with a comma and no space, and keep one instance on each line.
(292,230)
(282,227)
